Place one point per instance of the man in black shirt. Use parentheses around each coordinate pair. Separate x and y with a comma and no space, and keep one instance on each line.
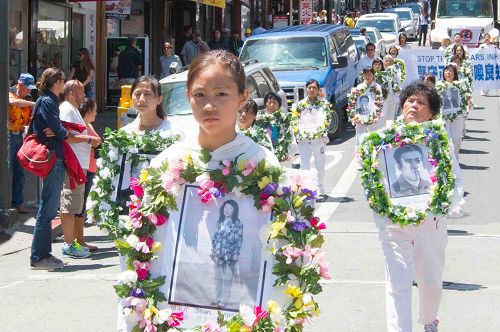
(129,63)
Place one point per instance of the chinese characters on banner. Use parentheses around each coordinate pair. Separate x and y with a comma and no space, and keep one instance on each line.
(306,11)
(485,66)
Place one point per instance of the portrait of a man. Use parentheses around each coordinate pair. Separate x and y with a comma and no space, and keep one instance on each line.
(363,105)
(413,176)
(451,99)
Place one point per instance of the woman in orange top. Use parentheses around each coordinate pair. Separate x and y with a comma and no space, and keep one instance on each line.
(88,110)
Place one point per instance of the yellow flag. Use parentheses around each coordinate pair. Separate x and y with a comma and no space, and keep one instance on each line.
(216,3)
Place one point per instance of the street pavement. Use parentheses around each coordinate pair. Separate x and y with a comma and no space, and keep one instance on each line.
(80,297)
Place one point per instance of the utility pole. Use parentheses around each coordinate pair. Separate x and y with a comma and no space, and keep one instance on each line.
(329,8)
(7,215)
(100,56)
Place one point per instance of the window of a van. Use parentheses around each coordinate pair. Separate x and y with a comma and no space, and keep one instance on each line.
(287,53)
(464,8)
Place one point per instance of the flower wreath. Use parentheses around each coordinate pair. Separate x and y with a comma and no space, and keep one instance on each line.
(300,258)
(402,68)
(465,91)
(115,144)
(351,106)
(465,67)
(434,135)
(388,80)
(281,121)
(322,131)
(259,136)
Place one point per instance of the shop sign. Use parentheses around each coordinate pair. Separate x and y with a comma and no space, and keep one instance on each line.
(119,9)
(216,3)
(306,9)
(280,21)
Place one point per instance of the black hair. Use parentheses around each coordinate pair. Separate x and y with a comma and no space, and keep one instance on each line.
(370,45)
(87,106)
(406,148)
(187,28)
(424,89)
(378,60)
(234,217)
(453,68)
(272,95)
(130,41)
(251,105)
(312,81)
(369,70)
(430,78)
(463,51)
(50,77)
(155,87)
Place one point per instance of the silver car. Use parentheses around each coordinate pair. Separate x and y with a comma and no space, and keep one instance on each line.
(408,20)
(388,24)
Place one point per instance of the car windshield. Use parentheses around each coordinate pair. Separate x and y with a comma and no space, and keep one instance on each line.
(414,7)
(175,101)
(384,25)
(404,16)
(287,53)
(465,8)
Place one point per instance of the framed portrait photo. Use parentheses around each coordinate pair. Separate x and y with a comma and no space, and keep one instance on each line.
(219,261)
(122,192)
(365,105)
(311,120)
(407,172)
(451,100)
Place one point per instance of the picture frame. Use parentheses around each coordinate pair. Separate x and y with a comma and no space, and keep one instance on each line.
(205,276)
(407,174)
(365,105)
(122,191)
(311,120)
(451,100)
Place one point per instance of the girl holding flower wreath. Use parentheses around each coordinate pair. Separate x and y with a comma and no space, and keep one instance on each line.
(390,80)
(246,125)
(456,104)
(310,122)
(277,124)
(363,124)
(413,250)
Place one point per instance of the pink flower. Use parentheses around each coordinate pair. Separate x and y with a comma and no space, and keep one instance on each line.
(138,304)
(211,326)
(175,318)
(142,265)
(135,202)
(291,253)
(205,195)
(249,168)
(317,223)
(144,245)
(147,325)
(259,314)
(227,167)
(433,161)
(204,181)
(157,219)
(137,221)
(142,274)
(267,204)
(289,217)
(177,168)
(136,187)
(297,182)
(434,178)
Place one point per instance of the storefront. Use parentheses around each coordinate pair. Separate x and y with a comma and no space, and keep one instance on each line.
(18,41)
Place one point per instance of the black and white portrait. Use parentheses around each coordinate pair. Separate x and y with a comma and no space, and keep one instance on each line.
(451,100)
(310,119)
(129,169)
(365,105)
(218,261)
(408,170)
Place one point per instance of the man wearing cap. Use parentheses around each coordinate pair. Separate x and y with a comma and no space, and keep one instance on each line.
(194,47)
(19,116)
(248,32)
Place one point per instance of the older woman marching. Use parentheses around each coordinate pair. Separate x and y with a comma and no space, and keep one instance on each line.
(414,246)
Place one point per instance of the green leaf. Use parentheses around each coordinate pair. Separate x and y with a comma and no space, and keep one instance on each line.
(122,290)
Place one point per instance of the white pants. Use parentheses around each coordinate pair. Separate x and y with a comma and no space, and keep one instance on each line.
(317,148)
(389,110)
(223,282)
(413,252)
(455,131)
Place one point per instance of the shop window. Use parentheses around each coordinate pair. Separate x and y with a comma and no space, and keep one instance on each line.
(52,37)
(17,40)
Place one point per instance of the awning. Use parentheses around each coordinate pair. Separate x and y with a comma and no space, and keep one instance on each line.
(216,3)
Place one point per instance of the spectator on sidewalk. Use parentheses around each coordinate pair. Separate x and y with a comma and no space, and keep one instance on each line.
(84,71)
(335,17)
(423,23)
(88,111)
(235,43)
(129,63)
(72,199)
(217,43)
(19,117)
(258,28)
(186,35)
(248,33)
(167,59)
(349,20)
(194,47)
(50,131)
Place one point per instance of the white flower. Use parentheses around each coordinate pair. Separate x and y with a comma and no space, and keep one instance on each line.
(247,314)
(162,316)
(113,154)
(127,277)
(165,134)
(99,163)
(132,240)
(105,173)
(133,150)
(131,316)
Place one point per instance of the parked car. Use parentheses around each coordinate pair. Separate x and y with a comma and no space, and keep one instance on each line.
(388,24)
(408,20)
(259,80)
(299,53)
(415,7)
(375,37)
(360,43)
